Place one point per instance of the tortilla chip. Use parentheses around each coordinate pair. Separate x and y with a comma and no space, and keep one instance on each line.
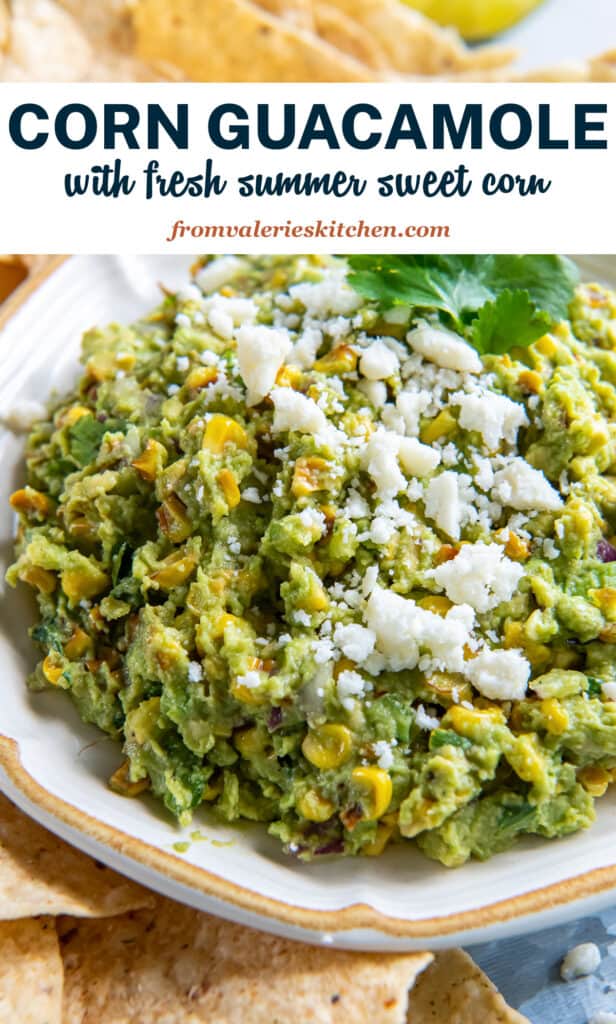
(348,35)
(12,272)
(414,45)
(297,12)
(454,990)
(30,973)
(175,964)
(41,874)
(237,41)
(4,25)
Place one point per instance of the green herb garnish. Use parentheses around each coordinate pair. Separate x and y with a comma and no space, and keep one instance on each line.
(594,688)
(495,302)
(448,738)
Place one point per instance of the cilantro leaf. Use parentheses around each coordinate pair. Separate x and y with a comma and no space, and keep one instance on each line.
(515,298)
(85,437)
(446,737)
(510,320)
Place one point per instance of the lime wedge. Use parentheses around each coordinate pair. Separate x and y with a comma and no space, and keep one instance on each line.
(476,19)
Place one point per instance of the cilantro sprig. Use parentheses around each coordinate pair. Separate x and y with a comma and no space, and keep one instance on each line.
(495,302)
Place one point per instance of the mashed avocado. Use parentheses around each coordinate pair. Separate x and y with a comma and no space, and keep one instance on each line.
(325,567)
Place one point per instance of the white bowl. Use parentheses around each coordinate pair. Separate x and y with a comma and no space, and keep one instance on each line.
(55,767)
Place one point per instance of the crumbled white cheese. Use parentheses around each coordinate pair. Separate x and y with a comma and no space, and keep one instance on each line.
(350,685)
(499,675)
(182,363)
(378,362)
(580,961)
(493,416)
(375,391)
(355,641)
(312,519)
(221,322)
(356,507)
(261,351)
(217,273)
(480,575)
(22,414)
(306,347)
(384,754)
(370,580)
(381,530)
(522,487)
(251,494)
(443,503)
(381,461)
(417,459)
(331,295)
(411,405)
(195,671)
(250,679)
(444,348)
(294,411)
(424,720)
(402,628)
(609,690)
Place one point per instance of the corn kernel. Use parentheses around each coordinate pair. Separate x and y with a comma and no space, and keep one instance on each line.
(77,645)
(445,553)
(514,634)
(531,381)
(69,417)
(175,569)
(42,579)
(441,426)
(309,475)
(252,695)
(376,788)
(526,759)
(200,377)
(595,780)
(220,431)
(516,547)
(444,684)
(120,782)
(328,746)
(317,600)
(605,599)
(435,603)
(80,586)
(555,715)
(546,346)
(222,622)
(151,460)
(174,520)
(51,671)
(383,835)
(29,500)
(342,359)
(289,377)
(228,485)
(471,722)
(315,807)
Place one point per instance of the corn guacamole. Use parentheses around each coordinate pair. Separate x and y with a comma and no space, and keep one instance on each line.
(330,569)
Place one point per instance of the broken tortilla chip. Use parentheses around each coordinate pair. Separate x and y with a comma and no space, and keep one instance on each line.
(348,35)
(173,964)
(237,41)
(30,972)
(414,45)
(12,272)
(297,12)
(454,990)
(41,874)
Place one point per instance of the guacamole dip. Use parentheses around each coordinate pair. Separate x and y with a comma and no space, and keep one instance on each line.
(326,567)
